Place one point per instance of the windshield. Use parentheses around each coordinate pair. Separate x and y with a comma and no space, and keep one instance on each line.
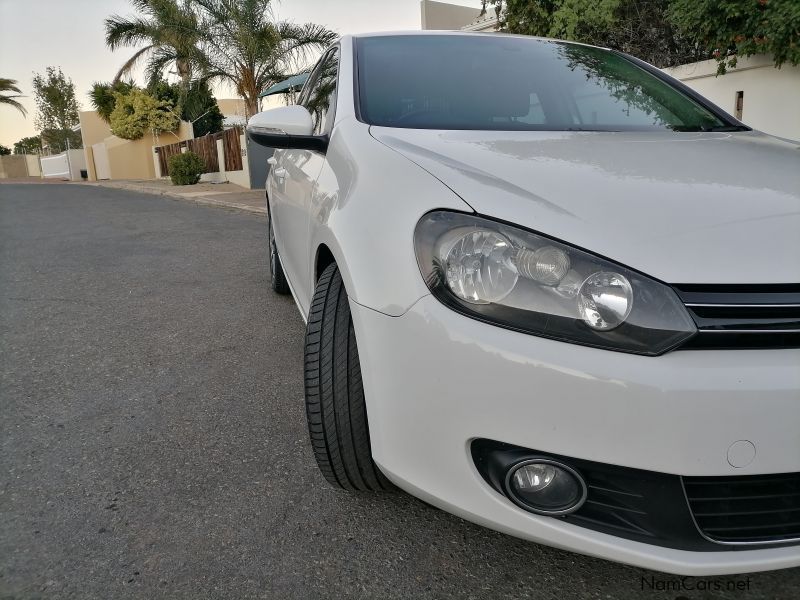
(511,83)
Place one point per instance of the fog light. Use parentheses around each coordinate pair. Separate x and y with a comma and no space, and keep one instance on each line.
(545,487)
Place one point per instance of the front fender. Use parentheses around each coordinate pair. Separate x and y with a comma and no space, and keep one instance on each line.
(365,207)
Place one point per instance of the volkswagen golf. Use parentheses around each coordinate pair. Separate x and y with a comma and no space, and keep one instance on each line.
(549,289)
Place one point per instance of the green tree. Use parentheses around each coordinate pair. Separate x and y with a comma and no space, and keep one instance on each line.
(639,27)
(728,29)
(4,150)
(29,145)
(10,85)
(197,105)
(236,41)
(57,110)
(171,33)
(137,113)
(247,47)
(102,96)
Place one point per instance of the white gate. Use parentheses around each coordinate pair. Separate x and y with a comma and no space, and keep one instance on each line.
(67,165)
(56,167)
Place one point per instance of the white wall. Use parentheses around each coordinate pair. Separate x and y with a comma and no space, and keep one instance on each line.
(771,96)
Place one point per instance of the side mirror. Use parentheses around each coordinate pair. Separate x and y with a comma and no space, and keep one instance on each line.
(286,127)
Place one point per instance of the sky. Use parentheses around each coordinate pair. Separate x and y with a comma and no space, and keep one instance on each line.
(35,34)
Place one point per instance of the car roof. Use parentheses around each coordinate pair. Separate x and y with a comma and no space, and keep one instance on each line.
(440,32)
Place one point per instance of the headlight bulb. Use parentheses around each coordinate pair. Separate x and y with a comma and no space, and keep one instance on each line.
(605,300)
(478,267)
(546,265)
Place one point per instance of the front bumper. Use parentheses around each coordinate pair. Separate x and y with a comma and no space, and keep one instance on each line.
(436,380)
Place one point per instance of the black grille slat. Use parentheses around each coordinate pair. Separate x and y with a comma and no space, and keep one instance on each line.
(748,512)
(759,293)
(743,316)
(793,526)
(746,509)
(753,312)
(739,498)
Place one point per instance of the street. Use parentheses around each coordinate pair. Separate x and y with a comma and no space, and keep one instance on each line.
(154,441)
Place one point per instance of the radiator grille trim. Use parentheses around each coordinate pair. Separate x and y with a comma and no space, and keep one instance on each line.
(758,316)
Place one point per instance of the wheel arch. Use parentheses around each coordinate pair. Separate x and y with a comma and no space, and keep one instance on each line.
(324,257)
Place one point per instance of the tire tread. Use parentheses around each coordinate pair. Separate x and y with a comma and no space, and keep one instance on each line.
(335,407)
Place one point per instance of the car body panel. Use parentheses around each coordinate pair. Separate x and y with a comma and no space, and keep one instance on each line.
(351,203)
(290,200)
(434,380)
(681,207)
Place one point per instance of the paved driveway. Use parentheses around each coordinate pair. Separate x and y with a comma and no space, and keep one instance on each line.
(153,442)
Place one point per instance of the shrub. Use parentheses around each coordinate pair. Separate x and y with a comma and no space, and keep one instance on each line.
(186,168)
(137,112)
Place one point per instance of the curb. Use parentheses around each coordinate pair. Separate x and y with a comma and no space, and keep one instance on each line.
(258,210)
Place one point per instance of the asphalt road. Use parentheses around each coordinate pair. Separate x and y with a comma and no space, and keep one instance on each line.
(154,442)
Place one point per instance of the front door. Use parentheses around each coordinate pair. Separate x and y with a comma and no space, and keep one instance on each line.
(293,178)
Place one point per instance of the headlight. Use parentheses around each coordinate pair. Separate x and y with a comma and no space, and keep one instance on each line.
(517,279)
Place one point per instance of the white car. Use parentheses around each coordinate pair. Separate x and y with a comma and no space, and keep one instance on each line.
(548,289)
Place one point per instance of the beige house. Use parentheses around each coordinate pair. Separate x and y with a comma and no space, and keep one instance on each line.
(233,112)
(111,157)
(441,15)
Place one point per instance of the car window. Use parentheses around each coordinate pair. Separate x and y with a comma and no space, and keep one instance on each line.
(515,83)
(535,114)
(320,98)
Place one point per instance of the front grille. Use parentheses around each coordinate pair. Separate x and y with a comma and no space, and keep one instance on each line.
(743,316)
(749,509)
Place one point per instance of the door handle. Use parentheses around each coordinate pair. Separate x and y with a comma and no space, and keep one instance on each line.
(272,161)
(280,172)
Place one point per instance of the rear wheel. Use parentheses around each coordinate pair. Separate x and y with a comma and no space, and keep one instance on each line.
(335,408)
(279,283)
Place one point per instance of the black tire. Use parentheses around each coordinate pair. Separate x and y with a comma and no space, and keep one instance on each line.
(278,278)
(335,408)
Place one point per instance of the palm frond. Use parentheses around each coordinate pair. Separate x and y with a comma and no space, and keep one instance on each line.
(309,33)
(128,32)
(11,102)
(129,64)
(159,60)
(10,85)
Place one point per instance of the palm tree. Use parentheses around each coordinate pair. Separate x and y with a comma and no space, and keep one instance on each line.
(172,34)
(10,85)
(248,48)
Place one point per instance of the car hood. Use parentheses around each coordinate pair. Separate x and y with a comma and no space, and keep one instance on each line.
(681,207)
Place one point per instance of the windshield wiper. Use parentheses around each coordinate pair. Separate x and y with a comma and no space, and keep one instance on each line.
(706,128)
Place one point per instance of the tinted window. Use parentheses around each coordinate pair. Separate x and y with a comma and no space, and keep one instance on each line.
(320,98)
(513,83)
